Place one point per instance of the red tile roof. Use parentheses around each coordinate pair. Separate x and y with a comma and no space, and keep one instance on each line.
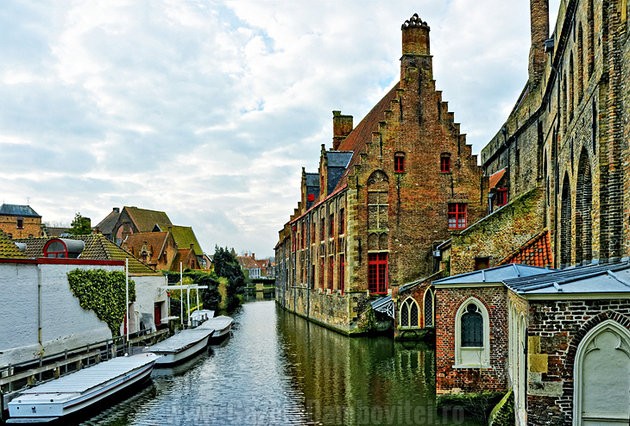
(362,133)
(496,177)
(535,252)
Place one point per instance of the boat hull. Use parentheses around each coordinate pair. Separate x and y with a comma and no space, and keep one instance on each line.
(169,358)
(42,404)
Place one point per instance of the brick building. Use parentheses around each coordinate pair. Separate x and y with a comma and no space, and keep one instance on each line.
(389,191)
(19,221)
(559,194)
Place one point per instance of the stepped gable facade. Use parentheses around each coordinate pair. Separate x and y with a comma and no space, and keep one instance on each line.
(385,194)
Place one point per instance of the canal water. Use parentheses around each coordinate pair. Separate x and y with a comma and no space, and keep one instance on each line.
(278,369)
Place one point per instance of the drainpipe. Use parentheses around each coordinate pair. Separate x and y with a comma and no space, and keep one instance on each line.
(39,309)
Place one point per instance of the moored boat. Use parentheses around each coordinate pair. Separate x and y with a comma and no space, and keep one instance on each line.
(222,325)
(57,399)
(181,346)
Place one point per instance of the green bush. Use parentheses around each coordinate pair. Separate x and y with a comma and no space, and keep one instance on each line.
(503,412)
(476,405)
(103,292)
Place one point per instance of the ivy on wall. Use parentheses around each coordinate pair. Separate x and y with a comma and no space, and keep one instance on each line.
(102,292)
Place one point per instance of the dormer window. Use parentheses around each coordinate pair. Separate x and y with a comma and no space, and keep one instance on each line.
(63,248)
(445,162)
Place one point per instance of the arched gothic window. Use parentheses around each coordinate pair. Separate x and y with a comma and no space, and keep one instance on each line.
(409,313)
(472,335)
(429,304)
(583,214)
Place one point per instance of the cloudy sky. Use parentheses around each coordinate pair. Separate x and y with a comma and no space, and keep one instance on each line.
(208,109)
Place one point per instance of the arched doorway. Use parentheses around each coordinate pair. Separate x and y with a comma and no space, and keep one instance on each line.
(602,377)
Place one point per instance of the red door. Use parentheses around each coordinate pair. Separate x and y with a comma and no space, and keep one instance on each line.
(157,314)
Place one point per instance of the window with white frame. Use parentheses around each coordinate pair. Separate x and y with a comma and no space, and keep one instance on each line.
(409,313)
(472,335)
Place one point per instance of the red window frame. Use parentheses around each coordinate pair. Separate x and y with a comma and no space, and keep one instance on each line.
(445,163)
(310,197)
(331,272)
(61,252)
(322,230)
(502,197)
(321,272)
(399,163)
(457,215)
(378,271)
(342,272)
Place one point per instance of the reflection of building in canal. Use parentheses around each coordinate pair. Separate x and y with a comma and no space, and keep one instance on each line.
(344,379)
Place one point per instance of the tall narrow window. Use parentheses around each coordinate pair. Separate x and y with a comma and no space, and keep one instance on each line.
(399,162)
(322,227)
(20,223)
(457,215)
(472,327)
(342,272)
(377,273)
(409,313)
(303,235)
(428,307)
(331,226)
(342,222)
(321,272)
(445,162)
(377,210)
(331,271)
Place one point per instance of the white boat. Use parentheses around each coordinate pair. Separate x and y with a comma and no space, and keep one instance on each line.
(222,325)
(181,346)
(200,316)
(67,395)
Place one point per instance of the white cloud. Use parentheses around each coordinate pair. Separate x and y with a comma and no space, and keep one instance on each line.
(208,109)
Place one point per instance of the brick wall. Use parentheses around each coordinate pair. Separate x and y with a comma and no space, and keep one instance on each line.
(498,235)
(554,332)
(31,226)
(566,135)
(449,379)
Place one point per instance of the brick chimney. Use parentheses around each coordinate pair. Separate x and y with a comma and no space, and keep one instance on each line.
(342,126)
(415,37)
(539,22)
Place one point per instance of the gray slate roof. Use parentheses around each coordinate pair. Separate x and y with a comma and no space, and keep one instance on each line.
(602,278)
(497,274)
(339,158)
(17,210)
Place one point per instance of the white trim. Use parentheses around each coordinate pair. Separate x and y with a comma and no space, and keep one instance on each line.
(406,306)
(579,359)
(484,356)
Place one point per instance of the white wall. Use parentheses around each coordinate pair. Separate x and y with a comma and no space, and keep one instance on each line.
(148,292)
(65,325)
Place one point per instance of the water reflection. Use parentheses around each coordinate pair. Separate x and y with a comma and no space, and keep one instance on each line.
(359,380)
(278,369)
